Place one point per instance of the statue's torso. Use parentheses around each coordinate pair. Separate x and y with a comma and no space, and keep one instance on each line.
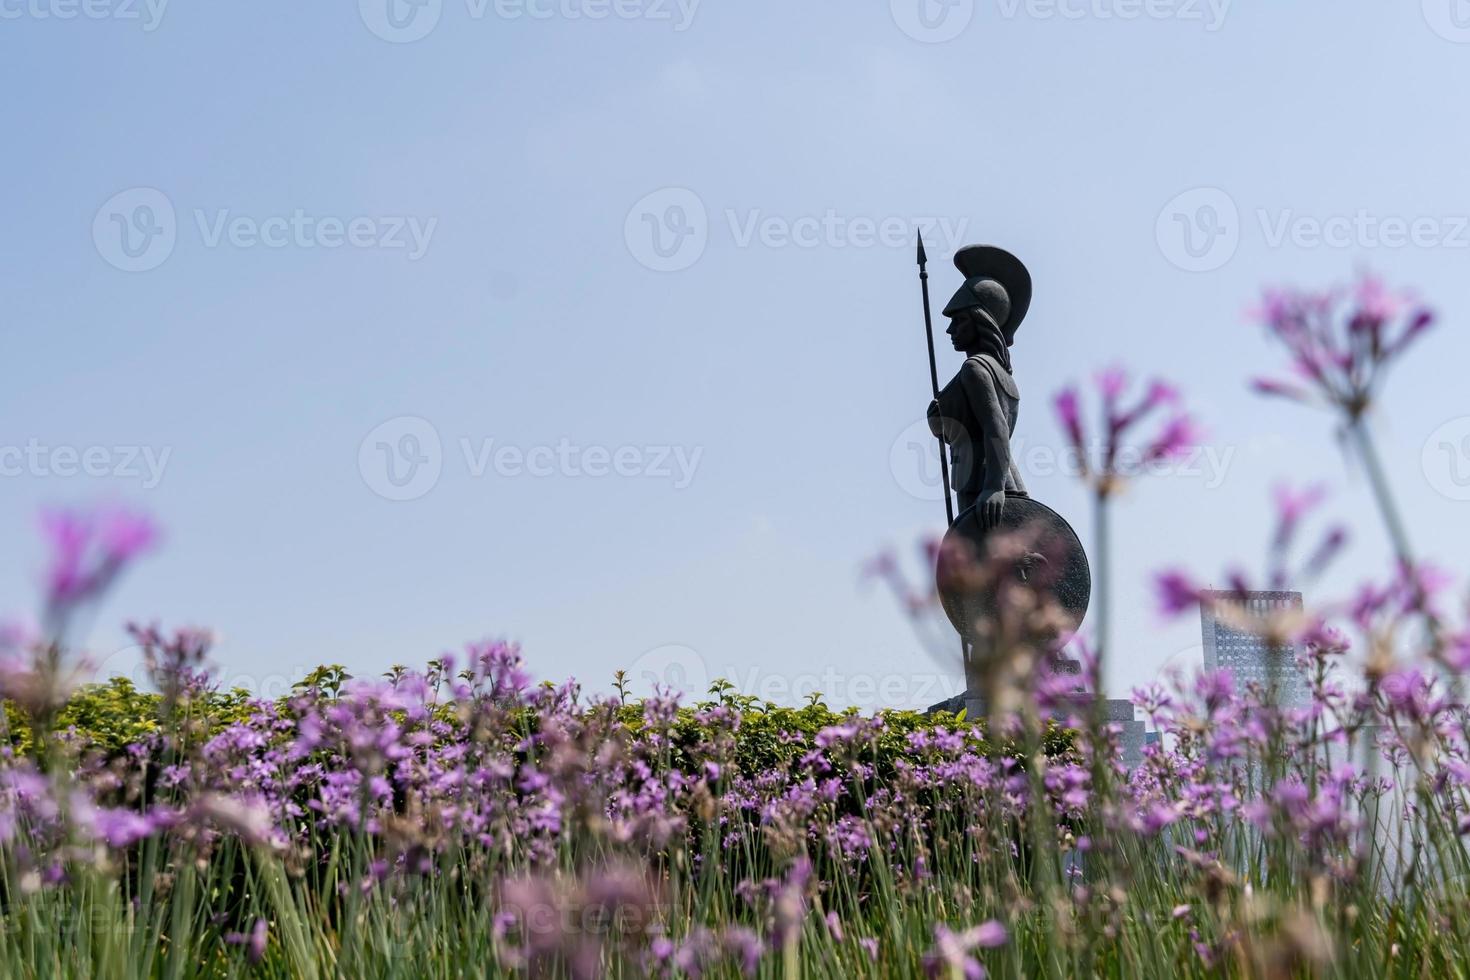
(967,440)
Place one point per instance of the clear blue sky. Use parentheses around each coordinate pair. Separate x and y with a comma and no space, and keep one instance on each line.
(783,357)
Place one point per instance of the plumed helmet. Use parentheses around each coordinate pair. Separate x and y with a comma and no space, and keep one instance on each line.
(996,282)
(985,294)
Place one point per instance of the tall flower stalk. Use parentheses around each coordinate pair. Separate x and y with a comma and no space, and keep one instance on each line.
(1109,460)
(1107,463)
(1342,343)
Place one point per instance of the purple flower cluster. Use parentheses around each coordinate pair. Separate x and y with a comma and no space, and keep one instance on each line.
(1340,341)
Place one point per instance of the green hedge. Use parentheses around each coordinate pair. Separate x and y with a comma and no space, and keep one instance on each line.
(109,717)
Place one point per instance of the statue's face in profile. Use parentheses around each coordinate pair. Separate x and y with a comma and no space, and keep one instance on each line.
(964,332)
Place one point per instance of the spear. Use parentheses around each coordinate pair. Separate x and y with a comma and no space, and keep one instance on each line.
(934,375)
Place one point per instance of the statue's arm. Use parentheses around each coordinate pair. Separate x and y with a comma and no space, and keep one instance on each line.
(936,421)
(995,437)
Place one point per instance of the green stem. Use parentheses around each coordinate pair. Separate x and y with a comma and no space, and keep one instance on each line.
(1382,493)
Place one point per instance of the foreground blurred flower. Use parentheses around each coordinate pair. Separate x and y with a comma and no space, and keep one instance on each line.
(1118,459)
(89,550)
(952,953)
(565,925)
(1341,341)
(175,663)
(254,941)
(1107,473)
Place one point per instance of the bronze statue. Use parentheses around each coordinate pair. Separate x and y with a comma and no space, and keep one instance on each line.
(1001,538)
(976,412)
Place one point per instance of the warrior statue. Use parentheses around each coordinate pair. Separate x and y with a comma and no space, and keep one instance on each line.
(976,412)
(998,524)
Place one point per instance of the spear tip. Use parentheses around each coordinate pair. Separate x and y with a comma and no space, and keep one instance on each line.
(923,258)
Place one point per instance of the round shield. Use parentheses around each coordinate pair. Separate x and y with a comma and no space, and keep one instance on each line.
(1033,543)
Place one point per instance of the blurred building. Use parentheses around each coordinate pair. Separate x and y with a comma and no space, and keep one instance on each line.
(1234,624)
(1134,731)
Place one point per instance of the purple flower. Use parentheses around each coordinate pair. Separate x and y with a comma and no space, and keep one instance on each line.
(952,950)
(1177,432)
(1292,505)
(253,941)
(1179,435)
(121,827)
(990,934)
(1340,341)
(1176,592)
(1111,382)
(745,947)
(89,549)
(1069,414)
